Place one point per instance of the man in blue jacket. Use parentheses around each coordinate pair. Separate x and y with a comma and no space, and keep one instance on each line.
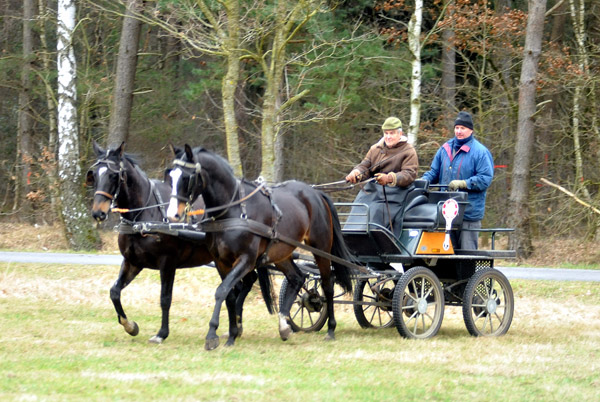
(465,164)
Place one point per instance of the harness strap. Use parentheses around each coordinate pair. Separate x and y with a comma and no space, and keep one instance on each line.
(104,193)
(262,230)
(159,200)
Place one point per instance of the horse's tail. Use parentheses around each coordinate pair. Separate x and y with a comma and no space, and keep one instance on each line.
(266,288)
(339,249)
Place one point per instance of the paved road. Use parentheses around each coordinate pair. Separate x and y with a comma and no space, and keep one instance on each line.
(552,274)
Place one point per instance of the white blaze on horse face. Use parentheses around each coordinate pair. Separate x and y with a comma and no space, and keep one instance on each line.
(175,176)
(101,171)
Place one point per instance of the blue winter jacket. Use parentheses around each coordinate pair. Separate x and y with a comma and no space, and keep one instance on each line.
(473,163)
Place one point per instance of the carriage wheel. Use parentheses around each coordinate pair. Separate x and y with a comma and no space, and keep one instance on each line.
(374,290)
(418,304)
(488,303)
(309,311)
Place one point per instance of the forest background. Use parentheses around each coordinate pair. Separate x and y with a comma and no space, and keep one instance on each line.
(299,89)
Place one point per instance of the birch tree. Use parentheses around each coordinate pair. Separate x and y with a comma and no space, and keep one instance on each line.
(577,12)
(79,230)
(519,194)
(414,44)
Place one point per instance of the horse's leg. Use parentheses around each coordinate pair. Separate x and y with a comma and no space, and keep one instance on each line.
(234,329)
(244,288)
(241,267)
(167,278)
(295,280)
(127,273)
(327,282)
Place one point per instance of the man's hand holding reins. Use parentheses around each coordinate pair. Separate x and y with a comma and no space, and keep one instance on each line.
(354,176)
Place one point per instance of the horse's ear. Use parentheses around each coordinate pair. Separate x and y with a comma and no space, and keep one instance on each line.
(175,150)
(188,152)
(97,149)
(121,149)
(166,175)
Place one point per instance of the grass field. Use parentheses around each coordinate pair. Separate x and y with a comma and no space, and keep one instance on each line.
(60,341)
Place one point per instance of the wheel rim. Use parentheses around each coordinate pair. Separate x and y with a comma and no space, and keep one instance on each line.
(309,312)
(419,305)
(488,305)
(374,291)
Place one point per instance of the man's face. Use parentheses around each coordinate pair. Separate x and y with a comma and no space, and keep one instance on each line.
(392,137)
(462,132)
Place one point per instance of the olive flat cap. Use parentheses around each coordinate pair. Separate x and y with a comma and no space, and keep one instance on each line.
(391,123)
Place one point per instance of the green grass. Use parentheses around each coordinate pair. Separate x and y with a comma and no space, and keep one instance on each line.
(60,341)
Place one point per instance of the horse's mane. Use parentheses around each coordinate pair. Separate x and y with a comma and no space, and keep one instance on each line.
(222,161)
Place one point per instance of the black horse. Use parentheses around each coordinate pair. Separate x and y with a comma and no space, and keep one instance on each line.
(292,209)
(117,179)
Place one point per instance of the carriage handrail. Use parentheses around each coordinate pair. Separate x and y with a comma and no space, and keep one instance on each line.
(493,231)
(350,214)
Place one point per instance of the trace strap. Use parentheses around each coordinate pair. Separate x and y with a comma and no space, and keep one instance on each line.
(263,230)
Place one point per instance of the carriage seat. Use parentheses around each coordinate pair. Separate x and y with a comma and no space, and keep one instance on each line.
(417,195)
(421,215)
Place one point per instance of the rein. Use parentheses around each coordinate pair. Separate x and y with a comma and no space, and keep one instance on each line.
(227,206)
(331,187)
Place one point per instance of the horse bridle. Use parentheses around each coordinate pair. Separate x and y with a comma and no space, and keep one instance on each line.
(110,166)
(197,168)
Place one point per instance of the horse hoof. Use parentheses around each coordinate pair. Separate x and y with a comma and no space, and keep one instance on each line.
(230,342)
(285,333)
(211,344)
(156,339)
(131,327)
(330,337)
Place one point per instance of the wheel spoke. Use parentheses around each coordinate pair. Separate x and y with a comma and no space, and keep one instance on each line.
(491,288)
(409,295)
(429,292)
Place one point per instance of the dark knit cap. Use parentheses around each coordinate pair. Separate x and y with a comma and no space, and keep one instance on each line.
(464,119)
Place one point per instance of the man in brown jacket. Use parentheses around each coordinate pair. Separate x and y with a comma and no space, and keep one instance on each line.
(392,160)
(394,164)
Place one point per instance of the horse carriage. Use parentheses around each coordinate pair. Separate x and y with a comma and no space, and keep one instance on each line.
(403,280)
(407,280)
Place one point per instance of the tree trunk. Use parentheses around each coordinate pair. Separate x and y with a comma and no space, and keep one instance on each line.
(273,70)
(448,78)
(229,86)
(120,116)
(577,18)
(50,103)
(79,231)
(414,44)
(519,194)
(25,133)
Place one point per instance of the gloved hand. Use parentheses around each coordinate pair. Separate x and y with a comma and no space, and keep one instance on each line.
(384,178)
(456,184)
(353,176)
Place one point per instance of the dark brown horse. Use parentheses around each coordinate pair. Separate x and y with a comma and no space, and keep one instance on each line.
(118,180)
(292,209)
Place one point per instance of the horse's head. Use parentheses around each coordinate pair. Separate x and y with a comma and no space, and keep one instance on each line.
(105,176)
(187,180)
